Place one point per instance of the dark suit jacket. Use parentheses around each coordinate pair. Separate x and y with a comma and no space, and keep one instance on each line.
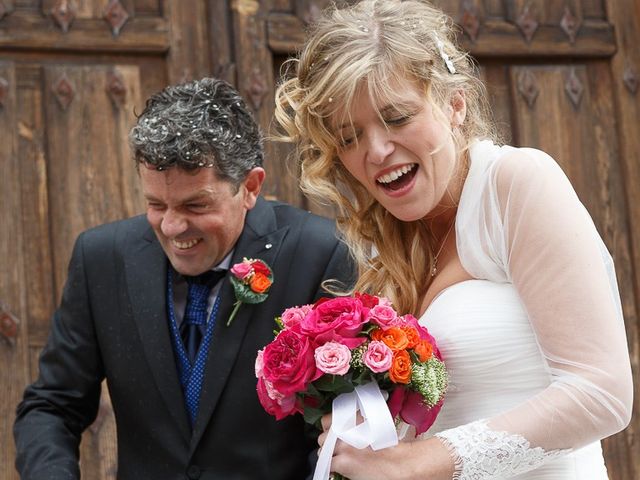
(112,324)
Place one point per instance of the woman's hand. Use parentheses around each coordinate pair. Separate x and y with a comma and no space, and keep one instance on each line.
(407,461)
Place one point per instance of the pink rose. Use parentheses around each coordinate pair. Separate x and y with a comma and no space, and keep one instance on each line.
(294,315)
(378,357)
(242,269)
(259,363)
(333,358)
(274,402)
(383,316)
(288,363)
(339,319)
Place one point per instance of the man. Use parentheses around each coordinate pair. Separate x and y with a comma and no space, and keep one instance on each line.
(127,308)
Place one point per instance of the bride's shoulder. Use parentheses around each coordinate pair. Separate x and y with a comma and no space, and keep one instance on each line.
(520,166)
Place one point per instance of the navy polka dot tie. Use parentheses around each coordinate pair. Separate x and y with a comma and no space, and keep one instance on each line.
(195,315)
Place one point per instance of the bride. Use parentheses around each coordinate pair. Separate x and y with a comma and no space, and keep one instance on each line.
(488,244)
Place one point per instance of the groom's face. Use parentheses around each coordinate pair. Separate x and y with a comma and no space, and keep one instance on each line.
(197,216)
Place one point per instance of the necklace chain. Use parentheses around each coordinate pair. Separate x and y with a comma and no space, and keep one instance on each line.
(434,265)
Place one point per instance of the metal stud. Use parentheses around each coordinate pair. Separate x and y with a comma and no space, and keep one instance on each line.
(470,21)
(63,13)
(116,88)
(570,24)
(574,88)
(528,87)
(63,91)
(630,79)
(527,24)
(116,16)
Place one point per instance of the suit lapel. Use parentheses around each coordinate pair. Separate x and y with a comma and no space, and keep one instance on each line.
(146,270)
(260,239)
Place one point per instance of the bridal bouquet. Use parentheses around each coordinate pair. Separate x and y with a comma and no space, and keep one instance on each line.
(347,345)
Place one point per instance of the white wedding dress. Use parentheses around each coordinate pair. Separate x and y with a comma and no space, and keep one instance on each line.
(535,344)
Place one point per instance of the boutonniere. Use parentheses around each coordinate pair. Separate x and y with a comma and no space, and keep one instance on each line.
(251,280)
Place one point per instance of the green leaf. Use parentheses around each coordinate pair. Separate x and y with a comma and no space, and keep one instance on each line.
(313,415)
(313,391)
(334,384)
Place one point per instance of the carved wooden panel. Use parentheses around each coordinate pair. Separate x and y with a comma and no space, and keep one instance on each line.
(96,179)
(81,25)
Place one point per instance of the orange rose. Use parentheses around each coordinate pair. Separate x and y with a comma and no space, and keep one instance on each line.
(424,350)
(413,336)
(376,334)
(260,283)
(395,338)
(400,371)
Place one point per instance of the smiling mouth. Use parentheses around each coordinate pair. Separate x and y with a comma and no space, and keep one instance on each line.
(185,244)
(396,179)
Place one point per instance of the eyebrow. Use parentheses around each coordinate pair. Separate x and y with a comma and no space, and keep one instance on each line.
(399,107)
(196,196)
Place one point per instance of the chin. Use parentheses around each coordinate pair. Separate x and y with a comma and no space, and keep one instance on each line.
(407,215)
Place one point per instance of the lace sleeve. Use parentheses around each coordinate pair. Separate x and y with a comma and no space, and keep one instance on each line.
(482,453)
(551,252)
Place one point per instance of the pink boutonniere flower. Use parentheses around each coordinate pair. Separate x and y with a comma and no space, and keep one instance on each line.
(251,280)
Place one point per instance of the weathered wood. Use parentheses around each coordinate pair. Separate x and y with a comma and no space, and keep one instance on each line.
(12,356)
(256,84)
(220,39)
(140,34)
(625,14)
(89,135)
(594,9)
(495,39)
(495,77)
(38,257)
(189,55)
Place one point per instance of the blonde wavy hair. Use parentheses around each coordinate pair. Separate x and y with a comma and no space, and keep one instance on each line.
(376,43)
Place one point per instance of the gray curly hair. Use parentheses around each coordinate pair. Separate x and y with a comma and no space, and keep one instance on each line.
(203,123)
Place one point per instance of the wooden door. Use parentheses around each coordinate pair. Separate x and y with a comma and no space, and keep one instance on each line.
(563,76)
(72,73)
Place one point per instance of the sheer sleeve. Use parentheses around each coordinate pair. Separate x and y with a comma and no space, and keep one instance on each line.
(533,231)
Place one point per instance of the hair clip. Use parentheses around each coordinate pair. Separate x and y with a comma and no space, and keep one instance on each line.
(443,55)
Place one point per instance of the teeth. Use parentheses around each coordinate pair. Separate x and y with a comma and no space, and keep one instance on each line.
(395,174)
(185,244)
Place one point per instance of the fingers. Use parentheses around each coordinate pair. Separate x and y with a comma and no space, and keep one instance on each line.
(326,422)
(321,439)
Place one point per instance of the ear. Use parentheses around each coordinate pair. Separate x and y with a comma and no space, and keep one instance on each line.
(458,108)
(252,185)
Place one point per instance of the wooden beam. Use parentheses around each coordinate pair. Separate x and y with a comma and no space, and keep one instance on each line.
(495,39)
(24,31)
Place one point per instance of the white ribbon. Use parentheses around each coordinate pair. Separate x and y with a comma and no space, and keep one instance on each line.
(377,430)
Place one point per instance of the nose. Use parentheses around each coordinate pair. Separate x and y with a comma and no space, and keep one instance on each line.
(172,223)
(380,145)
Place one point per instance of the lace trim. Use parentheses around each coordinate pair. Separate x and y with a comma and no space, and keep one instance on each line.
(481,453)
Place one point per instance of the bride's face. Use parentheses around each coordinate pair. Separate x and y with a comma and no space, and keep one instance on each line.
(401,151)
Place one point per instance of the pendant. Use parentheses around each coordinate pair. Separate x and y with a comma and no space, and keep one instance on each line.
(434,270)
